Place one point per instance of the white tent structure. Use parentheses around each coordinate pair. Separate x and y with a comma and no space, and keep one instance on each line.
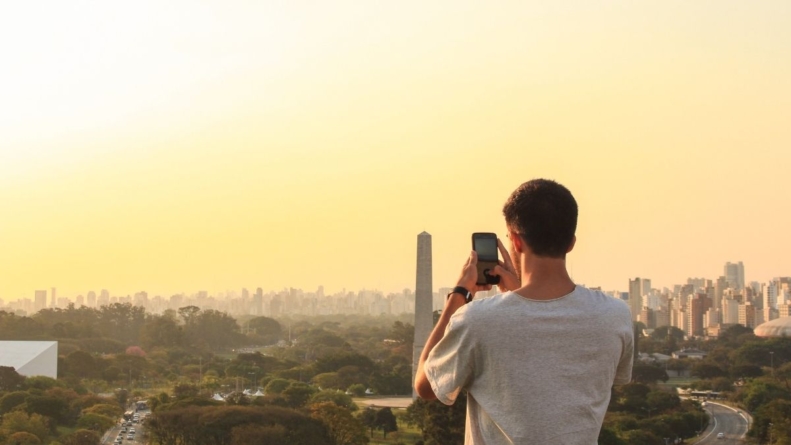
(31,358)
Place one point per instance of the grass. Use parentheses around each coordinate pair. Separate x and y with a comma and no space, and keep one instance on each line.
(683,382)
(405,435)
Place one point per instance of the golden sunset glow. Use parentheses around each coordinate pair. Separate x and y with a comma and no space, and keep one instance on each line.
(176,147)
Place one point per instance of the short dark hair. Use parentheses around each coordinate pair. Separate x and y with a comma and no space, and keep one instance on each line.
(544,214)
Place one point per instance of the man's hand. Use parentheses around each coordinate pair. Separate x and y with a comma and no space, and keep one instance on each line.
(469,275)
(509,279)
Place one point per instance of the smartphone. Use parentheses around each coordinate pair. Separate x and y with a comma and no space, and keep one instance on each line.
(485,245)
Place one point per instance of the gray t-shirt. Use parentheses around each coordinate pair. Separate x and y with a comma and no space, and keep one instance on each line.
(537,372)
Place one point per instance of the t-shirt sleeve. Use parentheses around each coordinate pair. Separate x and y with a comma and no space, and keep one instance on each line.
(449,365)
(623,374)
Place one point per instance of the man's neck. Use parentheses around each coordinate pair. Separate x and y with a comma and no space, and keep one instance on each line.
(545,278)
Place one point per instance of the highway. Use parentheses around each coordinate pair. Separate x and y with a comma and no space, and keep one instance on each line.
(726,420)
(109,436)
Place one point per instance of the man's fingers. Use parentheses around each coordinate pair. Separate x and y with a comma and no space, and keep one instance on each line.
(473,259)
(506,256)
(496,270)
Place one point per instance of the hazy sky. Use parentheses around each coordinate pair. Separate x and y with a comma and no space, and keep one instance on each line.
(184,146)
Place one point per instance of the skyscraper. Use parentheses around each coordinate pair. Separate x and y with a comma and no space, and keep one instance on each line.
(734,274)
(636,297)
(52,299)
(424,316)
(40,301)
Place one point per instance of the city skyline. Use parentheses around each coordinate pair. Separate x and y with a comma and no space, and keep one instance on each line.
(176,147)
(72,295)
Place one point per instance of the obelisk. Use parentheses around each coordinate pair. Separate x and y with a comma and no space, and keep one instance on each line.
(424,315)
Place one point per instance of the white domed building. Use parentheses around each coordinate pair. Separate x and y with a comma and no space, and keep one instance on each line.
(779,327)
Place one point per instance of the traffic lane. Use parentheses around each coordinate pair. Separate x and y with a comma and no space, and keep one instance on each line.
(109,437)
(725,420)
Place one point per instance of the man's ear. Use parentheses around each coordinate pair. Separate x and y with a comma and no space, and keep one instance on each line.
(517,241)
(571,246)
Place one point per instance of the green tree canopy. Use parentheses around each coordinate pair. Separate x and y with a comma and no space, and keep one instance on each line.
(386,421)
(10,380)
(344,429)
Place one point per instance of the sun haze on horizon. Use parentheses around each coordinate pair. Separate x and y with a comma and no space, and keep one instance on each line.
(181,147)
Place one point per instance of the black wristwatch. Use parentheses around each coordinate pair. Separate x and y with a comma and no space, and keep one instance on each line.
(463,292)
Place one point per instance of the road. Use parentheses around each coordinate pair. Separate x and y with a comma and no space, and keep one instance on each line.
(109,436)
(726,420)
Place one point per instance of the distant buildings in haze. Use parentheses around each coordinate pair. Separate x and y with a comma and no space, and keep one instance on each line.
(703,307)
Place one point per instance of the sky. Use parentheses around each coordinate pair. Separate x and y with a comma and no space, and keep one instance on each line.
(183,146)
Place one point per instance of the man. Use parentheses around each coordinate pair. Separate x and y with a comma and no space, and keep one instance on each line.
(538,362)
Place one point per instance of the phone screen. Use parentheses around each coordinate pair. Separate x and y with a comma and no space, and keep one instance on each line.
(486,249)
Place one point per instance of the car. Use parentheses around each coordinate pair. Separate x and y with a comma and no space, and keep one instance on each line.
(130,437)
(720,435)
(132,431)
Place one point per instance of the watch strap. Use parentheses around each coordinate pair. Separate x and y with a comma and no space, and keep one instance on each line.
(463,292)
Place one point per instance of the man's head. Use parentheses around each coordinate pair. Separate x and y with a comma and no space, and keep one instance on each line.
(543,214)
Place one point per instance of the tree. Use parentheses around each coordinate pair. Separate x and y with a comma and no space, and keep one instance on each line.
(659,401)
(403,333)
(297,394)
(20,421)
(344,428)
(643,373)
(640,437)
(368,419)
(95,422)
(267,330)
(440,424)
(746,371)
(23,438)
(10,380)
(82,364)
(104,409)
(12,400)
(783,374)
(185,390)
(276,386)
(82,437)
(609,437)
(327,380)
(760,392)
(663,333)
(214,329)
(386,421)
(161,331)
(188,314)
(251,434)
(47,406)
(706,370)
(336,397)
(358,390)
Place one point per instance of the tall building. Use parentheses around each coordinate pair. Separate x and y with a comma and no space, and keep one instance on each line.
(52,298)
(696,308)
(719,291)
(734,274)
(730,311)
(40,301)
(747,315)
(636,288)
(424,316)
(258,302)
